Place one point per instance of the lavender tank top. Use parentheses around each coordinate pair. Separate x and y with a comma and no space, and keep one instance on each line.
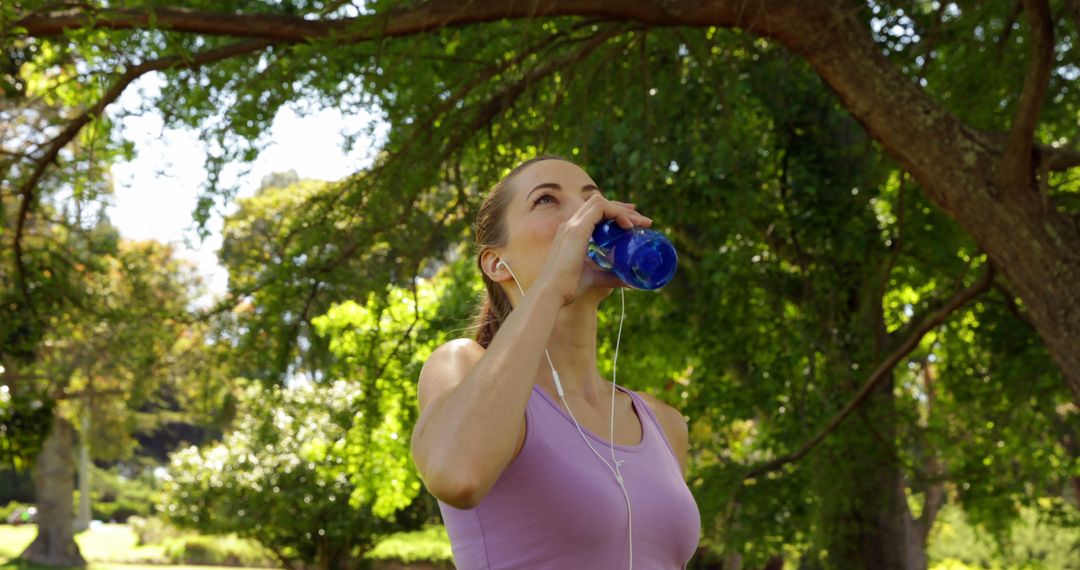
(558,507)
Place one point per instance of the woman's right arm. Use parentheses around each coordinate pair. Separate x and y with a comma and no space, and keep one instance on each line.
(472,402)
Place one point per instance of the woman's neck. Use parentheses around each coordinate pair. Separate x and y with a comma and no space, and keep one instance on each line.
(572,347)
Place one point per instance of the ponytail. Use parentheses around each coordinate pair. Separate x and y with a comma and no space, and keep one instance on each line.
(493,312)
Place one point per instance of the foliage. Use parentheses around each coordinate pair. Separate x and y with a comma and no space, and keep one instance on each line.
(115,498)
(381,346)
(24,420)
(217,551)
(122,350)
(1034,542)
(153,530)
(430,544)
(272,254)
(280,476)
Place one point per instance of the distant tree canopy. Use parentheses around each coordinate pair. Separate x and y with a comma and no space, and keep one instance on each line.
(875,206)
(467,90)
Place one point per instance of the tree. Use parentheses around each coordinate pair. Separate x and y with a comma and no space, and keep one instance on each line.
(948,156)
(108,359)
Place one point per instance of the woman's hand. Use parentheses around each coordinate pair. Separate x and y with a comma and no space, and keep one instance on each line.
(564,272)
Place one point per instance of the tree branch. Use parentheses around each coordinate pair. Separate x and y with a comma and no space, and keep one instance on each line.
(1003,41)
(928,323)
(1058,159)
(28,188)
(1010,303)
(1016,163)
(461,91)
(279,28)
(485,112)
(895,337)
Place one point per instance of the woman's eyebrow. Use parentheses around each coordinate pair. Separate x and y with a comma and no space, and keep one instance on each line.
(556,186)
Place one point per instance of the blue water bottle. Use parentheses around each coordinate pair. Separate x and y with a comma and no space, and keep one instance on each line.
(642,258)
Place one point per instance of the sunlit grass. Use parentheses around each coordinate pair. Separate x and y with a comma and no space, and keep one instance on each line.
(105,547)
(21,565)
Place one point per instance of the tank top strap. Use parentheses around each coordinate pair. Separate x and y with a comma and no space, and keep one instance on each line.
(642,405)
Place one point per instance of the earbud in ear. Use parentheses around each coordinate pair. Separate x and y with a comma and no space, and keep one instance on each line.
(504,264)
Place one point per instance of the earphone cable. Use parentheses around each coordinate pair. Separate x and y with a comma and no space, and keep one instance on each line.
(558,386)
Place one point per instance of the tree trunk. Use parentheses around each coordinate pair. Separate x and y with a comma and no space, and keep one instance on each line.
(775,563)
(915,541)
(918,529)
(862,521)
(54,486)
(330,555)
(82,521)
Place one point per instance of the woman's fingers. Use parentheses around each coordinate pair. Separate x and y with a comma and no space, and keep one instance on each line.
(623,214)
(634,216)
(628,218)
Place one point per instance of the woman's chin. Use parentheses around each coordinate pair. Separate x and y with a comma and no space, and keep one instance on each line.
(596,275)
(602,280)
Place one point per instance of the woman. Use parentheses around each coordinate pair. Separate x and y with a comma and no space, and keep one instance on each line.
(502,448)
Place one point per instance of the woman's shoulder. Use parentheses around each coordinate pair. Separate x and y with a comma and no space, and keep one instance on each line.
(446,367)
(459,347)
(673,423)
(467,342)
(662,410)
(452,358)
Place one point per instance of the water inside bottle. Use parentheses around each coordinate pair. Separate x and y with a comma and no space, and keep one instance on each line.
(652,262)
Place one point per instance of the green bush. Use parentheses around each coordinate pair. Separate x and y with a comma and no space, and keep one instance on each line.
(217,551)
(119,511)
(154,530)
(114,497)
(283,475)
(431,544)
(1032,544)
(6,510)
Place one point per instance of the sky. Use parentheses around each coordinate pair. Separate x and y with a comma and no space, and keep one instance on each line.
(155,194)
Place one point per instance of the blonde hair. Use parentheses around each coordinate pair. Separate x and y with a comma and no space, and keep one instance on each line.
(490,231)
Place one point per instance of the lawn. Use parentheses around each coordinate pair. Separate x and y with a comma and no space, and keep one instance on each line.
(105,547)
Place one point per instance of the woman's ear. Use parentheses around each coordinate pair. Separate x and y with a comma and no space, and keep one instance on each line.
(490,262)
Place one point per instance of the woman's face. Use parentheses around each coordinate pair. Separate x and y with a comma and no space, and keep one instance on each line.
(543,195)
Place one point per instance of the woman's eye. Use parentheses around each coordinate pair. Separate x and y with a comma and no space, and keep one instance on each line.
(537,201)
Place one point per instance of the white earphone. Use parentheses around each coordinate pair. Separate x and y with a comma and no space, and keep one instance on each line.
(611,438)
